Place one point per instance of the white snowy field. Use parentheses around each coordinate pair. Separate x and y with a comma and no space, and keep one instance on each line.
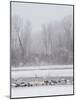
(41,91)
(42,71)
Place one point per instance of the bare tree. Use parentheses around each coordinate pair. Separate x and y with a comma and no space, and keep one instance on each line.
(44,32)
(68,30)
(16,42)
(27,38)
(47,38)
(50,39)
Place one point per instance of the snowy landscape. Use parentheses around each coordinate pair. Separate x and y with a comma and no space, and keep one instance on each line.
(43,81)
(41,50)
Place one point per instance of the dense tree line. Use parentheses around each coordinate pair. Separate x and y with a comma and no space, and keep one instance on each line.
(54,44)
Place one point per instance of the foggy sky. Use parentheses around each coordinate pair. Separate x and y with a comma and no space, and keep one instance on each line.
(39,14)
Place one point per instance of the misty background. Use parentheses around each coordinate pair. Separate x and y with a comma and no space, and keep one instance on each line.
(41,34)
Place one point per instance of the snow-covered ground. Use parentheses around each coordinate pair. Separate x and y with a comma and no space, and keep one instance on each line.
(42,71)
(41,91)
(42,67)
